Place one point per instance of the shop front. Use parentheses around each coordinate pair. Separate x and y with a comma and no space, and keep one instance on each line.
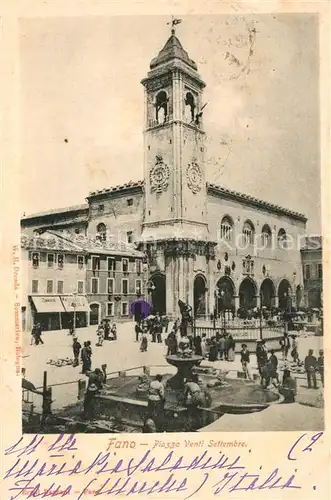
(76,308)
(47,311)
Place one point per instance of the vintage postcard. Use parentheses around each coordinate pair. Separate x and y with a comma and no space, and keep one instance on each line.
(165,258)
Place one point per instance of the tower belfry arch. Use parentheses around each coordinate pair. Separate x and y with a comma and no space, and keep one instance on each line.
(175,225)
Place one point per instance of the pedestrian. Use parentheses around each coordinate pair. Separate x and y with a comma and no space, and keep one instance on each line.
(294,351)
(310,367)
(100,335)
(213,351)
(113,332)
(288,387)
(203,345)
(71,326)
(89,401)
(144,341)
(166,323)
(159,329)
(171,343)
(197,345)
(156,400)
(84,355)
(153,328)
(245,361)
(231,345)
(221,345)
(138,330)
(76,347)
(285,345)
(193,399)
(38,333)
(320,365)
(107,329)
(261,356)
(33,335)
(272,374)
(96,377)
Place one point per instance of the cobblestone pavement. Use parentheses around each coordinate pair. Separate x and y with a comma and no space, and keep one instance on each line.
(124,353)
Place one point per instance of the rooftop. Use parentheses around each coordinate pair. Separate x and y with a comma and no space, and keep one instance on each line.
(56,211)
(218,190)
(116,189)
(76,243)
(255,201)
(173,49)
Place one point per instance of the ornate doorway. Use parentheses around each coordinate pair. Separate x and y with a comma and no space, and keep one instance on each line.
(159,294)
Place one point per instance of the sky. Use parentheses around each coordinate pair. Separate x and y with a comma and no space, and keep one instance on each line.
(82,104)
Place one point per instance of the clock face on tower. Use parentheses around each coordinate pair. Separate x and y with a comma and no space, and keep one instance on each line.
(194,177)
(159,176)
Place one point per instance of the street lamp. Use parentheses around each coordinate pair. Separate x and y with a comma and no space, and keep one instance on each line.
(222,293)
(216,306)
(74,305)
(261,332)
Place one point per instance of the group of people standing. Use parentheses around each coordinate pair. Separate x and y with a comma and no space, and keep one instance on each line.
(222,347)
(106,332)
(153,327)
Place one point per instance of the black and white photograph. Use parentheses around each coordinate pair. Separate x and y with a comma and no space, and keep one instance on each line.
(171,246)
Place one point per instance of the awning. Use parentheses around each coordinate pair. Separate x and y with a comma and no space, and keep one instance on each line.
(70,301)
(47,304)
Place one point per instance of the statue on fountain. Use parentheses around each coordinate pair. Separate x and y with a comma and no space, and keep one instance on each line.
(185,311)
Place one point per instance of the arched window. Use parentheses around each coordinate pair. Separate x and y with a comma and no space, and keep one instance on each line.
(248,233)
(161,107)
(101,232)
(282,239)
(189,107)
(266,236)
(226,228)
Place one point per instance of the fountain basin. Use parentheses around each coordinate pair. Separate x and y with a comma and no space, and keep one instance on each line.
(121,408)
(184,369)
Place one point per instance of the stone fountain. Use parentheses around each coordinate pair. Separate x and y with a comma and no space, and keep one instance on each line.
(122,405)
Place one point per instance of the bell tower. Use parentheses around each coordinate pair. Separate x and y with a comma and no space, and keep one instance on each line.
(174,169)
(175,228)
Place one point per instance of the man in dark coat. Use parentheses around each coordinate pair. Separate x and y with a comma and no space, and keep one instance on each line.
(76,347)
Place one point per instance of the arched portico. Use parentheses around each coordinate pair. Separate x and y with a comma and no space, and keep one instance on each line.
(284,295)
(247,294)
(225,294)
(268,293)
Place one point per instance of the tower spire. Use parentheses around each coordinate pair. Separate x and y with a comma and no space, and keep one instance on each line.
(174,21)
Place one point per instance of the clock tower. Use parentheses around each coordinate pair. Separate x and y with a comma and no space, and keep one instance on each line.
(175,227)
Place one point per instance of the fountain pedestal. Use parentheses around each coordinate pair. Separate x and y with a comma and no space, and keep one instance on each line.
(184,369)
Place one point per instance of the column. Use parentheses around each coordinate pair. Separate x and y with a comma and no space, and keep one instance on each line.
(276,301)
(258,301)
(236,302)
(170,284)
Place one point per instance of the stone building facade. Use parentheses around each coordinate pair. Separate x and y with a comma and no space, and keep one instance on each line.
(312,268)
(212,247)
(65,274)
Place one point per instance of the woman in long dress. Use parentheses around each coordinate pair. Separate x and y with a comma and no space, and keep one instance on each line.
(231,350)
(144,341)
